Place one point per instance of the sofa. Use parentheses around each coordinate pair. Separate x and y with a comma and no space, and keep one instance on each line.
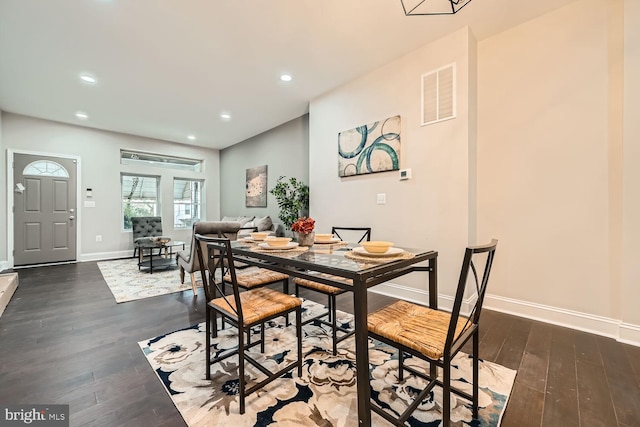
(188,259)
(255,223)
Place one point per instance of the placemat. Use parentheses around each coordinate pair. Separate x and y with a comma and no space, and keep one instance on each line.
(283,253)
(378,260)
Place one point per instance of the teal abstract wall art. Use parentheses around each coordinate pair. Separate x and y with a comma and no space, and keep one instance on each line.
(371,148)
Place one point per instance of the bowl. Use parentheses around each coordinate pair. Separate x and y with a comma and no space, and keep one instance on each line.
(323,237)
(278,241)
(376,246)
(259,235)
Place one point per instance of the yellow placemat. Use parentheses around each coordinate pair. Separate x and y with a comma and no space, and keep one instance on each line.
(283,253)
(378,259)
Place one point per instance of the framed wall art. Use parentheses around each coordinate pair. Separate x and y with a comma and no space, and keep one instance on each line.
(256,187)
(370,148)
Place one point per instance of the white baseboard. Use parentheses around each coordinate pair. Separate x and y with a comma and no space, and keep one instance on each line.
(101,256)
(599,325)
(4,264)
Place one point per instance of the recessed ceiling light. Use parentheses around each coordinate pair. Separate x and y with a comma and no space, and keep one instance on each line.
(82,115)
(286,77)
(88,78)
(192,137)
(225,116)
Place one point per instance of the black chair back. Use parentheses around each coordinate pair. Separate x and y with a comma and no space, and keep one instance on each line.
(360,233)
(472,253)
(219,263)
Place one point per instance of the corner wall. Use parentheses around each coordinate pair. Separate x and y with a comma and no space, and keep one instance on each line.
(4,264)
(285,151)
(431,210)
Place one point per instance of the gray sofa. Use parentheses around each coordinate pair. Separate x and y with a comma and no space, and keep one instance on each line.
(254,223)
(188,259)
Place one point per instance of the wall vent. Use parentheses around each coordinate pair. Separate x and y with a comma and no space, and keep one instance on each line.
(439,95)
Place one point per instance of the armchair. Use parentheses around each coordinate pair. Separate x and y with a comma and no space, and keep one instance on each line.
(143,229)
(188,259)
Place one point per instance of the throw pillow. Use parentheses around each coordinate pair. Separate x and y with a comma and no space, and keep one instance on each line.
(244,219)
(245,230)
(263,224)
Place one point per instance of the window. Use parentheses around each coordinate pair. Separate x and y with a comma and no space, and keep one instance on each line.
(187,202)
(139,197)
(45,168)
(128,157)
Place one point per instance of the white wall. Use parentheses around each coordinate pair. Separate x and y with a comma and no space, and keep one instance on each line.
(100,167)
(431,210)
(3,202)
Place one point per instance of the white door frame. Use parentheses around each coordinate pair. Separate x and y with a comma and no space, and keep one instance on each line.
(11,184)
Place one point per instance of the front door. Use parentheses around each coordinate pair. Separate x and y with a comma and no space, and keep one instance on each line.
(44,197)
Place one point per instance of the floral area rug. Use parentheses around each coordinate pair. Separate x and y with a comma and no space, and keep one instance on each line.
(325,395)
(127,283)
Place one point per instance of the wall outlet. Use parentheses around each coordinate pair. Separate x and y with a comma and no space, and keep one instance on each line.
(98,238)
(381,198)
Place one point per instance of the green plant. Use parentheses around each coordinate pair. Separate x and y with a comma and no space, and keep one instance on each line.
(292,196)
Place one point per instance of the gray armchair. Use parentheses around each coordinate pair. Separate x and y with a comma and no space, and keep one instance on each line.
(188,259)
(144,228)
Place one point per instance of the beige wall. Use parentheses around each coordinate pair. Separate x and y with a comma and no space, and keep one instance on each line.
(100,167)
(630,295)
(543,159)
(550,167)
(433,209)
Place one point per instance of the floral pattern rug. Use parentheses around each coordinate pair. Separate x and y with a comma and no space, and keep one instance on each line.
(325,395)
(127,283)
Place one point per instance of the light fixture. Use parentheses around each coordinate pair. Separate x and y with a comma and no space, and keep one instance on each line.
(191,137)
(82,115)
(88,78)
(225,116)
(286,77)
(432,7)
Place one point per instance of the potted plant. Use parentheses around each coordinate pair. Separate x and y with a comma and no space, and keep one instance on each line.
(292,196)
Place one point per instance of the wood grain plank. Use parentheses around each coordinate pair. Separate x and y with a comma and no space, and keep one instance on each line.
(561,395)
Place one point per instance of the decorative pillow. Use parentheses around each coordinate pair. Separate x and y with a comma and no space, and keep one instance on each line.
(263,224)
(244,219)
(246,230)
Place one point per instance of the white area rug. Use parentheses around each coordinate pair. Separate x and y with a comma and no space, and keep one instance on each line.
(325,395)
(127,283)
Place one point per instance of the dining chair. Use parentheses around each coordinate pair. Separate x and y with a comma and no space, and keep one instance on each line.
(435,336)
(331,291)
(359,233)
(244,310)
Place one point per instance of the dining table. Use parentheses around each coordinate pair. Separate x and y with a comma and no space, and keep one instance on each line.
(330,263)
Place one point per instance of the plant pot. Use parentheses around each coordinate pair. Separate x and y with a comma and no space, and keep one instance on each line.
(306,239)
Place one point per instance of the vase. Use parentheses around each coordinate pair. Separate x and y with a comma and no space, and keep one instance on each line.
(306,239)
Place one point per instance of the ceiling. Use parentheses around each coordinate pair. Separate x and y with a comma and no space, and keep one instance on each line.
(167,69)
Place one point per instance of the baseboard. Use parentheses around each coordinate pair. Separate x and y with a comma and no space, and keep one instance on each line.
(599,325)
(4,265)
(101,256)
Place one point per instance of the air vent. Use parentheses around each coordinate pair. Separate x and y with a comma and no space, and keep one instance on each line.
(439,95)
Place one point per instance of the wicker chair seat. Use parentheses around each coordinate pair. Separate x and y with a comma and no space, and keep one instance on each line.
(257,304)
(414,326)
(258,277)
(321,287)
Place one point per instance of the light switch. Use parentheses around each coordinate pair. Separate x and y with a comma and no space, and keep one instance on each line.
(89,204)
(381,198)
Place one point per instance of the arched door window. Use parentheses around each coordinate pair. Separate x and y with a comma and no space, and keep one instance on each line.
(45,168)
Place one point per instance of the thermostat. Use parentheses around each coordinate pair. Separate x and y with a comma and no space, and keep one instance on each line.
(405,174)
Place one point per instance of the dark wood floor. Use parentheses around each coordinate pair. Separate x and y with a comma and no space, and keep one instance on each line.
(63,339)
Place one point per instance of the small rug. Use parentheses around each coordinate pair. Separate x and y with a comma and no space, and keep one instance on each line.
(127,283)
(325,395)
